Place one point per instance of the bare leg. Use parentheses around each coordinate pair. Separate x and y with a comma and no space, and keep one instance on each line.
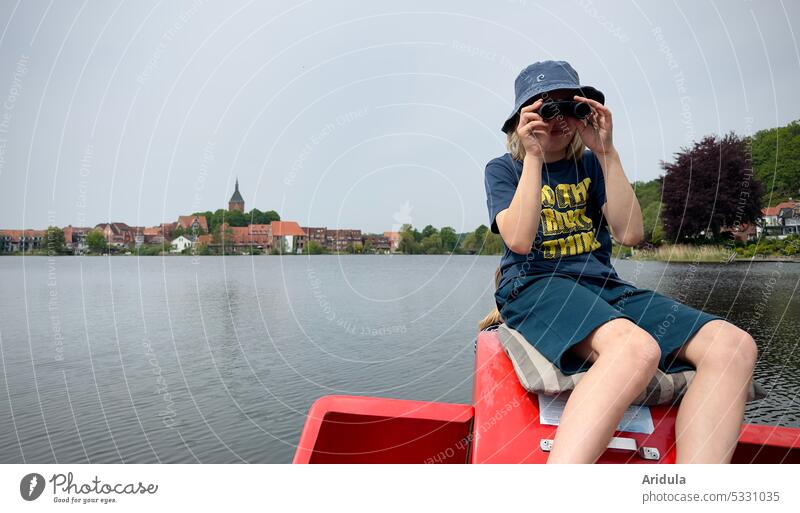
(711,412)
(625,358)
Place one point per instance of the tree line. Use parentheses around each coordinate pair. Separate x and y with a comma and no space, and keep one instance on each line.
(720,182)
(433,241)
(216,218)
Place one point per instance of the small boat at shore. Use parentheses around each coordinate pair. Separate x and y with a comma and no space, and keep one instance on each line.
(502,425)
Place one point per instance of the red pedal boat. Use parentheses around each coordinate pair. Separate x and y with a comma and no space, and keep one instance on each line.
(501,426)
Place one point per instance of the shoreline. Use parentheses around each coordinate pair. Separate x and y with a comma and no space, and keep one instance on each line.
(677,260)
(739,260)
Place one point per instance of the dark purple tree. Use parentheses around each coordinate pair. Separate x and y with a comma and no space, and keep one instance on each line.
(708,187)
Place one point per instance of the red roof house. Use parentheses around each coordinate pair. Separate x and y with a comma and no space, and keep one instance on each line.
(287,236)
(193,223)
(284,228)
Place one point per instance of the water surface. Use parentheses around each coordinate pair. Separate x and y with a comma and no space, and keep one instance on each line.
(218,359)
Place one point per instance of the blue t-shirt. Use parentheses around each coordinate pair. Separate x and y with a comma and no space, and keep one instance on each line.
(573,236)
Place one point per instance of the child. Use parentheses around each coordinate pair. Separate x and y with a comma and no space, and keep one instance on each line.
(553,202)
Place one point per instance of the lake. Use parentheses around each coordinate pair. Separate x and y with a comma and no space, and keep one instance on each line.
(216,360)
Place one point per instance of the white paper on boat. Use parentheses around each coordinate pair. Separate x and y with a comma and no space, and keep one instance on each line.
(636,419)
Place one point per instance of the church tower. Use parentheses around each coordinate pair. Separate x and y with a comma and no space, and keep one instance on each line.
(236,202)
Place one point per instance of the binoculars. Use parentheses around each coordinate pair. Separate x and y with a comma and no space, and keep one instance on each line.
(551,109)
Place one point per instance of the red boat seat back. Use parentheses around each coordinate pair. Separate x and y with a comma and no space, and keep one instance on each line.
(506,427)
(352,429)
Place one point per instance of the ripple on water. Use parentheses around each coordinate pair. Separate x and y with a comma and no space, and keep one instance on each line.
(220,361)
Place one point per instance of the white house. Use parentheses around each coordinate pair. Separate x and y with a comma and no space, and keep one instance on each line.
(781,220)
(180,244)
(287,236)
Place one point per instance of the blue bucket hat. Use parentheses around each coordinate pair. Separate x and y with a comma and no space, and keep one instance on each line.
(543,77)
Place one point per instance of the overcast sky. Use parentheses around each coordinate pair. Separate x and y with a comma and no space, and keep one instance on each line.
(349,114)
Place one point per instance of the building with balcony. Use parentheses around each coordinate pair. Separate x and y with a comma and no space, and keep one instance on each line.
(117,234)
(341,240)
(13,241)
(75,238)
(780,220)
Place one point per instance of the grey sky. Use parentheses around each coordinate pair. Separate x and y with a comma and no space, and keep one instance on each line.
(349,114)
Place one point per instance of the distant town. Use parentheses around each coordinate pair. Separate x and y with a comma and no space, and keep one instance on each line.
(235,231)
(221,232)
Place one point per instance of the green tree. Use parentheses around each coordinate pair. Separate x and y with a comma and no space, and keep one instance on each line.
(482,242)
(55,242)
(255,216)
(493,244)
(314,248)
(651,217)
(649,196)
(776,159)
(432,244)
(218,217)
(96,241)
(408,240)
(236,218)
(428,231)
(415,234)
(271,215)
(647,192)
(480,234)
(449,239)
(469,244)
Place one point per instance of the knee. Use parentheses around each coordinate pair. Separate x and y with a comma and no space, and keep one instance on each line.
(643,350)
(732,349)
(746,350)
(634,347)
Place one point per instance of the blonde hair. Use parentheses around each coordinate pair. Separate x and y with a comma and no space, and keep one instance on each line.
(492,317)
(575,148)
(574,151)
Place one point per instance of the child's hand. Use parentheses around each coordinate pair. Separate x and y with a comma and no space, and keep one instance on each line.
(596,132)
(532,130)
